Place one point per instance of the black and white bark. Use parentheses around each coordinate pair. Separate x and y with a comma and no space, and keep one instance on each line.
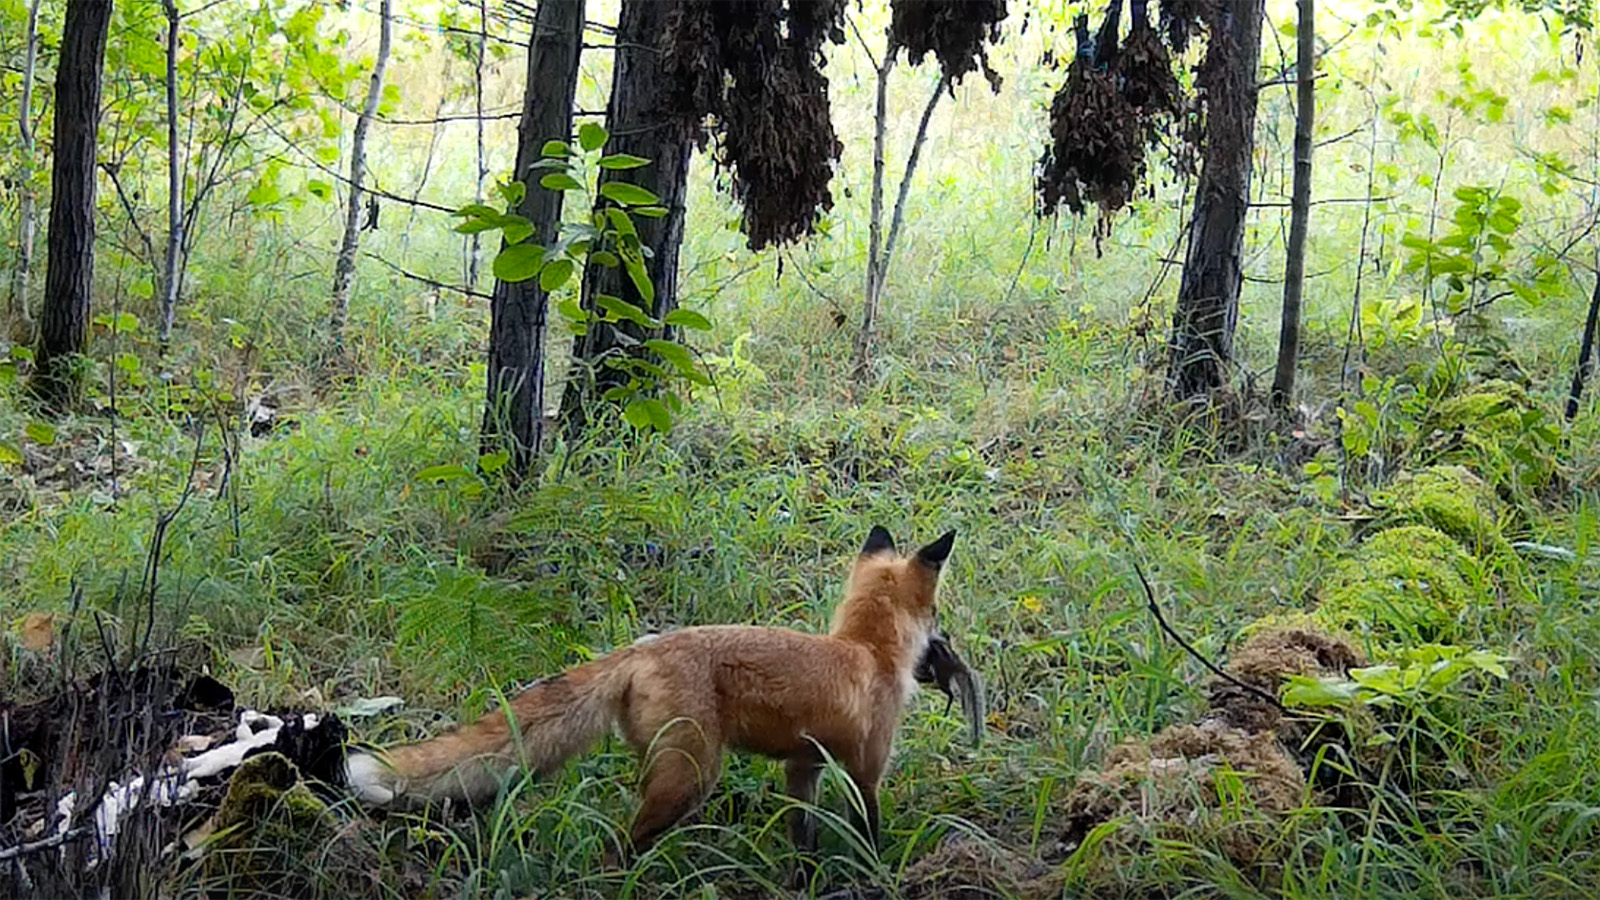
(169,280)
(344,267)
(27,220)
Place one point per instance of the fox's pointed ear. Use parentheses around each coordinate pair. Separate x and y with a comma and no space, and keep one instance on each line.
(878,541)
(937,552)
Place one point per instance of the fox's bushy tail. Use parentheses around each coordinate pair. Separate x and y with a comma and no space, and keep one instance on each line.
(551,722)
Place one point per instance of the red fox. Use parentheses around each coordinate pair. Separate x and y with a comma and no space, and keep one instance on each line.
(681,697)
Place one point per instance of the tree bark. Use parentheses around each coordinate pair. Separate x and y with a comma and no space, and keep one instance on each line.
(69,276)
(21,318)
(1208,297)
(642,125)
(475,246)
(1294,270)
(169,270)
(344,268)
(1585,352)
(513,415)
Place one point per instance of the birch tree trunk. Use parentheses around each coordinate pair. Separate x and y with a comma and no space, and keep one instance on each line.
(344,268)
(170,282)
(21,319)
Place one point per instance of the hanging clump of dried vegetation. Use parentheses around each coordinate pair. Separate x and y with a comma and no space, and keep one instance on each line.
(755,69)
(955,31)
(1121,98)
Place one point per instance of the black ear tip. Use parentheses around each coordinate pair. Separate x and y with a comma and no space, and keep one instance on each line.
(937,552)
(878,541)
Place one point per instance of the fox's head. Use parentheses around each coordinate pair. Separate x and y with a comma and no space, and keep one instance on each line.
(891,600)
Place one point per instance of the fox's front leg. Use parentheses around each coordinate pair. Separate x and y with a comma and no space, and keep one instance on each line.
(866,774)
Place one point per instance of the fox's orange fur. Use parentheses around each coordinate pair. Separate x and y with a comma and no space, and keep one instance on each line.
(681,698)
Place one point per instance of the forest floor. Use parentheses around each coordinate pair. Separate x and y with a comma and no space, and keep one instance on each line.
(351,551)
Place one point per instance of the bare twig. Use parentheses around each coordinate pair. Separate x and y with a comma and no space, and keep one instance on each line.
(1161,619)
(158,537)
(428,281)
(55,840)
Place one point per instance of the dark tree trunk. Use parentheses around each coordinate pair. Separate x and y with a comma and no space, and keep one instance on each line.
(1585,353)
(642,125)
(1208,298)
(514,410)
(64,323)
(1294,269)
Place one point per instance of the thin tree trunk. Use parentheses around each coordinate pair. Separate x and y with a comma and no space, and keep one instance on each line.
(640,124)
(1294,274)
(344,268)
(878,264)
(513,415)
(21,318)
(869,308)
(1585,352)
(69,275)
(1208,298)
(475,249)
(170,282)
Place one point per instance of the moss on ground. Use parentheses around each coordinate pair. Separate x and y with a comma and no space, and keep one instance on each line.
(1412,581)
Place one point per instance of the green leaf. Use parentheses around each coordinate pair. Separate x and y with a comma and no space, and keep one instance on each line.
(322,190)
(41,433)
(650,212)
(557,149)
(605,258)
(641,280)
(592,137)
(619,308)
(1304,691)
(518,262)
(621,161)
(688,318)
(491,463)
(443,472)
(572,311)
(555,274)
(517,232)
(621,221)
(636,415)
(514,192)
(559,181)
(660,417)
(675,354)
(474,226)
(10,455)
(628,194)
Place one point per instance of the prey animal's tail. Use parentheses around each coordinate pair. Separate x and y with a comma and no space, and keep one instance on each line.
(549,723)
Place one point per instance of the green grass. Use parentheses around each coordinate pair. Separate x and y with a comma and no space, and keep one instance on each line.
(1024,417)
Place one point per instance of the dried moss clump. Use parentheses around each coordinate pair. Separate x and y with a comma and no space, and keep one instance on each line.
(1266,660)
(1413,581)
(952,30)
(965,868)
(755,68)
(1211,785)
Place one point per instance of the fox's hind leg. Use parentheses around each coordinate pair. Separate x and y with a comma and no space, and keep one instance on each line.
(803,775)
(681,768)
